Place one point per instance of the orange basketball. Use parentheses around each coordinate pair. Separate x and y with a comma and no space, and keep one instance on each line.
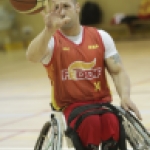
(29,6)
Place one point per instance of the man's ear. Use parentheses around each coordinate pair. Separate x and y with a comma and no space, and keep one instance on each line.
(77,7)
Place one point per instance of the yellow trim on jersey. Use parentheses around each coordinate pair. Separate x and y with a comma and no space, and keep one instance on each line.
(53,101)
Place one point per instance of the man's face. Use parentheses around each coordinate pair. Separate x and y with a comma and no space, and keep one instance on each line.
(69,8)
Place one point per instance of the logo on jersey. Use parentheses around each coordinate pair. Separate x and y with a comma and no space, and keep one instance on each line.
(92,47)
(80,70)
(66,48)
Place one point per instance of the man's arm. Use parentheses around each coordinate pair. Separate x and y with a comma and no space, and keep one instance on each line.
(121,81)
(38,47)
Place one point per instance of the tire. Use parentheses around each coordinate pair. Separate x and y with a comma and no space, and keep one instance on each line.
(137,135)
(42,136)
(50,137)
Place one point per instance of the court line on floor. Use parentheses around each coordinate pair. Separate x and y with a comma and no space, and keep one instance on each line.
(24,97)
(11,136)
(19,130)
(24,118)
(141,82)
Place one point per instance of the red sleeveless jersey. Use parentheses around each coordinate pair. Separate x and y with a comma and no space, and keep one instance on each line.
(77,72)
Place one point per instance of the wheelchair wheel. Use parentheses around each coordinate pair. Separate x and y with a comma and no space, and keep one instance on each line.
(50,137)
(137,135)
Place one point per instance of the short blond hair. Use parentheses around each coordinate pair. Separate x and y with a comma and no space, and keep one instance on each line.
(74,1)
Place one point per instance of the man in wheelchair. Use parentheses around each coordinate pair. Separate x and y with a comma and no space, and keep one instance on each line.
(76,58)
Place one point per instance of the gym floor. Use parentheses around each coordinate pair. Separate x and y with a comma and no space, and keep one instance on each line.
(25,93)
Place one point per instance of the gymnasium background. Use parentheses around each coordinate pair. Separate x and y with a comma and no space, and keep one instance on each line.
(25,27)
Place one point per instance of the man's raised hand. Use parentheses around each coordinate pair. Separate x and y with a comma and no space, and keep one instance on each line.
(53,18)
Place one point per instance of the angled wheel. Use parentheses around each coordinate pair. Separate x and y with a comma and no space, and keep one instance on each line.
(50,137)
(42,137)
(137,135)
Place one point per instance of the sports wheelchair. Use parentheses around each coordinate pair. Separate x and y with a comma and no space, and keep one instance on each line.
(52,133)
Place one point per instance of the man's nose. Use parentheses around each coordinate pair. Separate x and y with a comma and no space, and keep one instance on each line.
(62,12)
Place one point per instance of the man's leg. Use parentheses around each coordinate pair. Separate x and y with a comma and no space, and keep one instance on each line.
(110,132)
(110,127)
(96,129)
(89,131)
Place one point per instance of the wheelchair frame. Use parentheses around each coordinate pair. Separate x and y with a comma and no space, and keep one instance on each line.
(50,137)
(137,136)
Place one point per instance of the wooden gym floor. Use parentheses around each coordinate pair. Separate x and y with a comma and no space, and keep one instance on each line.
(25,93)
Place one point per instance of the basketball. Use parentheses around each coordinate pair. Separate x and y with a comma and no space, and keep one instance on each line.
(29,6)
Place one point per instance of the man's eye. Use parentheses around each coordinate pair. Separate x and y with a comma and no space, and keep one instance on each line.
(66,6)
(56,7)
